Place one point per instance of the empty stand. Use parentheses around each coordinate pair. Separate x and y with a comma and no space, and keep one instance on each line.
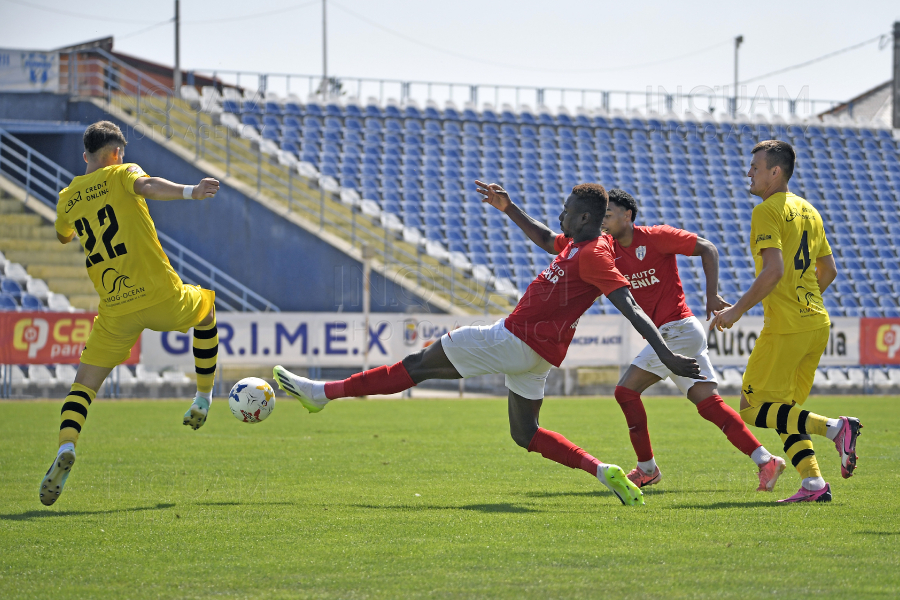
(413,169)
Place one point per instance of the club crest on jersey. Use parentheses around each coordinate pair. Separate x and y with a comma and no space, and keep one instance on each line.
(572,253)
(640,252)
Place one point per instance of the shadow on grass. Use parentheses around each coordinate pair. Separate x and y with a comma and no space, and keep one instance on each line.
(503,507)
(564,494)
(877,532)
(41,514)
(718,505)
(244,503)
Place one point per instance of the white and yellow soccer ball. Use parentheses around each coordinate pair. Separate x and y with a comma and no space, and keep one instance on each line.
(251,400)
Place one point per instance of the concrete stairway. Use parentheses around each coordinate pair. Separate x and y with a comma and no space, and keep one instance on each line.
(28,239)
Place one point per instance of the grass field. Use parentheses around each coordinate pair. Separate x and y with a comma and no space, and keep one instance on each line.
(411,499)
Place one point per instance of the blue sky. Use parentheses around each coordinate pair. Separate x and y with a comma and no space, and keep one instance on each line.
(599,45)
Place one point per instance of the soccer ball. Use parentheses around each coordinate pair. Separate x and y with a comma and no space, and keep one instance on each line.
(251,400)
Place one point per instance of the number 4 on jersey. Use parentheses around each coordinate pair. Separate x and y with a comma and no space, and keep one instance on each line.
(801,259)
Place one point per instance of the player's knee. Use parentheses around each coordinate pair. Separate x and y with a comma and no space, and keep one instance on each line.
(413,362)
(522,433)
(623,394)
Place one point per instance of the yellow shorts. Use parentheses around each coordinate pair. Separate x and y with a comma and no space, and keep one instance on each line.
(782,366)
(112,338)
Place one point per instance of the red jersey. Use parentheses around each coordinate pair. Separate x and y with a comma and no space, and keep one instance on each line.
(546,316)
(649,264)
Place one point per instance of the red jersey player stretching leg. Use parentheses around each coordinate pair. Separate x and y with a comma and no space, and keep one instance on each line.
(524,345)
(646,256)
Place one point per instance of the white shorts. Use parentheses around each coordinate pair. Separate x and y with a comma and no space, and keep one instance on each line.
(686,337)
(493,349)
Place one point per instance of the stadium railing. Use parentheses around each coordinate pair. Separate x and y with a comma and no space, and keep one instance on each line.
(100,75)
(42,179)
(659,100)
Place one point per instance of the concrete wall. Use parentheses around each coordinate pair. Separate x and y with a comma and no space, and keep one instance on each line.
(38,107)
(282,262)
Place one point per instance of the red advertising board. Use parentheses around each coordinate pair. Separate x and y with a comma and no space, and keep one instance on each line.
(47,338)
(879,341)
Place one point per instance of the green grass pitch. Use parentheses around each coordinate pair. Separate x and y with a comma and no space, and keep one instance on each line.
(416,499)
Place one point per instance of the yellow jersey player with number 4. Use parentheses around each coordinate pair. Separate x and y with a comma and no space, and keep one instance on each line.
(794,267)
(138,288)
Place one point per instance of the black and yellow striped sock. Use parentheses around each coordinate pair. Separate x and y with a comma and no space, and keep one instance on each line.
(799,449)
(74,413)
(785,418)
(206,350)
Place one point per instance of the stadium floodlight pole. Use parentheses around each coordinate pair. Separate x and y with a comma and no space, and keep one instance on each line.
(896,86)
(176,74)
(324,53)
(737,44)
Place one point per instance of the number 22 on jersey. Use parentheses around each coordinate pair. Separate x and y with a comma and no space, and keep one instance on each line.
(106,216)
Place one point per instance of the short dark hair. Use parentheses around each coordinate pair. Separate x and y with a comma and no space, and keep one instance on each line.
(778,154)
(623,199)
(593,197)
(101,134)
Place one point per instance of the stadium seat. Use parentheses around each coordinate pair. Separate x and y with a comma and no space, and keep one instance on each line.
(8,302)
(668,164)
(31,303)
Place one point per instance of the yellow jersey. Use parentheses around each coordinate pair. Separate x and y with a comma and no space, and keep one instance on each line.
(123,256)
(794,226)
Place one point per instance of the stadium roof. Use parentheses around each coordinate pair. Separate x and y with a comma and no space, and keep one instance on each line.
(875,105)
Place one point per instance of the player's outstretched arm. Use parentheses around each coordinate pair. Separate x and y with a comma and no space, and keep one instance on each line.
(709,256)
(678,364)
(826,271)
(768,278)
(497,197)
(157,188)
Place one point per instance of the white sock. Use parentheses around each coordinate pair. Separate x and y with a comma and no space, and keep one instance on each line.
(813,484)
(66,446)
(648,466)
(761,456)
(206,395)
(834,428)
(318,390)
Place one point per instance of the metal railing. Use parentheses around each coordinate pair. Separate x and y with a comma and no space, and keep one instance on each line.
(42,179)
(101,75)
(660,100)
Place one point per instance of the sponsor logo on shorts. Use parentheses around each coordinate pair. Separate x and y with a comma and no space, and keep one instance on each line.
(748,391)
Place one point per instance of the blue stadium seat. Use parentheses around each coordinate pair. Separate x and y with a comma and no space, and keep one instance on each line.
(31,303)
(8,302)
(11,287)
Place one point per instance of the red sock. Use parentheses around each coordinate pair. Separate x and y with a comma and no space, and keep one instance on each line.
(388,379)
(636,417)
(725,418)
(557,448)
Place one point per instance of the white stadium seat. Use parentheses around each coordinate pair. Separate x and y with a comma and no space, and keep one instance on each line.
(65,374)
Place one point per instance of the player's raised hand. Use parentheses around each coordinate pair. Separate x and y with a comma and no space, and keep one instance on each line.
(714,304)
(493,194)
(684,366)
(207,188)
(725,318)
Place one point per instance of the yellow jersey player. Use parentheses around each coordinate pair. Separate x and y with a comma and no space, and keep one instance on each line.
(138,288)
(794,266)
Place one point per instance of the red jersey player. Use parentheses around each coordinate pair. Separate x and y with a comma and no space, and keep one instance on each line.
(646,256)
(524,345)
